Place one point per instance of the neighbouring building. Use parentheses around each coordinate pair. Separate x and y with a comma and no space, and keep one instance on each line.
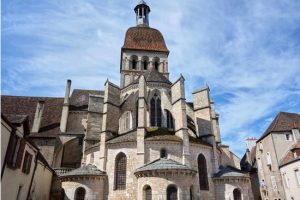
(275,159)
(137,140)
(24,174)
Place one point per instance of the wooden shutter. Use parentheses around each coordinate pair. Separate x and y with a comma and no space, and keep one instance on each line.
(20,153)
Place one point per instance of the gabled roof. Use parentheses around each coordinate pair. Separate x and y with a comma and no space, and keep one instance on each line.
(163,164)
(21,105)
(284,121)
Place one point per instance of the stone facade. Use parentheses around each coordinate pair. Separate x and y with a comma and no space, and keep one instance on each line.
(116,143)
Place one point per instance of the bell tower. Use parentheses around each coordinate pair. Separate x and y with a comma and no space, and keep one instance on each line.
(142,11)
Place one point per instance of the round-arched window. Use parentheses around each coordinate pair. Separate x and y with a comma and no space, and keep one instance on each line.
(163,153)
(237,194)
(147,193)
(172,192)
(80,193)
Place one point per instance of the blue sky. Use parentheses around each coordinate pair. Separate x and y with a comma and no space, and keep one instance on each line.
(248,52)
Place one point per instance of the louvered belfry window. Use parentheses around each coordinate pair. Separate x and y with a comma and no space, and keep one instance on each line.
(120,172)
(202,170)
(155,111)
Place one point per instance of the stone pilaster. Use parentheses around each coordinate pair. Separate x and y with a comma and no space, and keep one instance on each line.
(142,120)
(179,113)
(111,115)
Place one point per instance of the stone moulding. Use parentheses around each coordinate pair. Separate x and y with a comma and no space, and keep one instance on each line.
(165,173)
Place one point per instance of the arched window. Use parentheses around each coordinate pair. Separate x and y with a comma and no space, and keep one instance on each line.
(125,121)
(156,65)
(172,192)
(191,193)
(170,120)
(202,170)
(163,153)
(147,193)
(237,194)
(120,171)
(134,62)
(92,158)
(155,111)
(155,62)
(80,193)
(145,65)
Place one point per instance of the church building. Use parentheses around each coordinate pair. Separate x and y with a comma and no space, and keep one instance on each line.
(139,139)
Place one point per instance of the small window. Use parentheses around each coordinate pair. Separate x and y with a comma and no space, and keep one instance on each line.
(120,171)
(92,158)
(163,153)
(269,160)
(170,123)
(80,141)
(297,173)
(237,194)
(156,65)
(172,193)
(80,193)
(27,163)
(148,193)
(288,137)
(145,65)
(286,180)
(274,184)
(134,64)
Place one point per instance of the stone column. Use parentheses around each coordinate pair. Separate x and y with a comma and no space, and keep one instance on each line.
(179,113)
(111,115)
(142,120)
(38,117)
(65,110)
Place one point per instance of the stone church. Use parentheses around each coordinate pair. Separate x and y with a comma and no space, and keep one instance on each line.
(137,140)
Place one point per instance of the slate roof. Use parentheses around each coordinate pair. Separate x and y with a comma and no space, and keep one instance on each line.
(21,105)
(16,119)
(163,164)
(126,137)
(80,98)
(144,38)
(153,76)
(87,170)
(284,121)
(229,171)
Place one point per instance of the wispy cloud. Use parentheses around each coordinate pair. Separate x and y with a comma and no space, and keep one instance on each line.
(247,51)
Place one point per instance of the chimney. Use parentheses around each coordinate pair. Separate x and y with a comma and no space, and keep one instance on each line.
(38,117)
(65,110)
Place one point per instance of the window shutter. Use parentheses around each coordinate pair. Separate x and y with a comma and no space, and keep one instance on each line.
(11,149)
(20,153)
(29,164)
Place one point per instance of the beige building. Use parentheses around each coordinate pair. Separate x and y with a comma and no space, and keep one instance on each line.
(137,140)
(24,174)
(274,161)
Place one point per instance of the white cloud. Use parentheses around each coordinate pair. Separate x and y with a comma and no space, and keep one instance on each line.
(248,52)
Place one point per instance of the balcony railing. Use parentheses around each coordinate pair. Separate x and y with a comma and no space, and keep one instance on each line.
(62,170)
